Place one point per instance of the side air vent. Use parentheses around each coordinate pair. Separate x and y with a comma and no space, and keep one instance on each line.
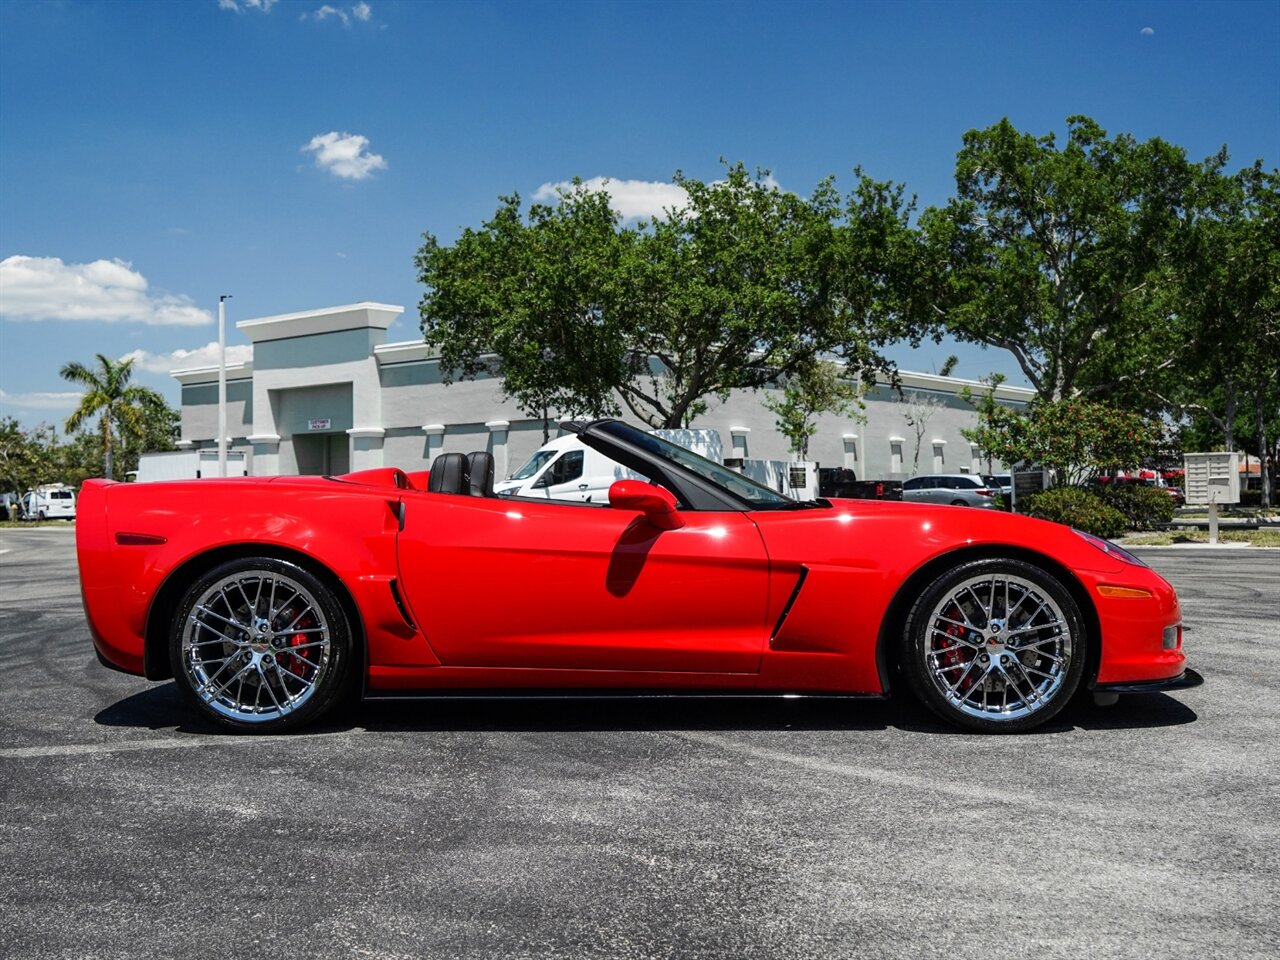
(404,611)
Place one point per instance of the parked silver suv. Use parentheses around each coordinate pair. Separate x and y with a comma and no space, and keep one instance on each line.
(961,489)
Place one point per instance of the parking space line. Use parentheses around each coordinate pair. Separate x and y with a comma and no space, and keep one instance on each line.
(129,746)
(963,791)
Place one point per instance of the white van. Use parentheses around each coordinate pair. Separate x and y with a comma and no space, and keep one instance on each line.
(564,469)
(53,501)
(567,469)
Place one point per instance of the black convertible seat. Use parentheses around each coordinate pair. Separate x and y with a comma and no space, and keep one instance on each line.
(448,474)
(480,474)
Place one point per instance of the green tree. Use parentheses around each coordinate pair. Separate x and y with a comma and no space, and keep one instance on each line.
(744,284)
(1074,437)
(1229,311)
(121,408)
(817,387)
(531,300)
(1061,255)
(28,458)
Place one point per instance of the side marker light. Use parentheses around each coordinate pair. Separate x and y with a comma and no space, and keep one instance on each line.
(1109,591)
(139,539)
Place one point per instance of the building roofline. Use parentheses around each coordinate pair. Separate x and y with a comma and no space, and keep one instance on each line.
(192,375)
(351,316)
(933,381)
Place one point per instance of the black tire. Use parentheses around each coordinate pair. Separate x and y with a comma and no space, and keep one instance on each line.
(262,628)
(961,649)
(959,503)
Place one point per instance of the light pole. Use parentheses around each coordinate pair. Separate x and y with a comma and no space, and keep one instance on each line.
(222,384)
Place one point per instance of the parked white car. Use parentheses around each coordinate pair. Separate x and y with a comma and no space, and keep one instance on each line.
(53,501)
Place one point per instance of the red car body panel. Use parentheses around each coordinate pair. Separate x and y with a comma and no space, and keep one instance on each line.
(464,592)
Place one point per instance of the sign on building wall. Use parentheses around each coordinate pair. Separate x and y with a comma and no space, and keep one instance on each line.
(324,424)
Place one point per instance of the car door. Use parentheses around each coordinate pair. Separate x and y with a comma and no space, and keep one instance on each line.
(524,583)
(914,490)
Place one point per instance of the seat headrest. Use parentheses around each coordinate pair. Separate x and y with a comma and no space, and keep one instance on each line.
(448,474)
(480,474)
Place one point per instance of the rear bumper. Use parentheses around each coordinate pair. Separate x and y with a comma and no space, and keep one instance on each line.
(1188,678)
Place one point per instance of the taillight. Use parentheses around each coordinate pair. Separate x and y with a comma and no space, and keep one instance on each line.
(984,493)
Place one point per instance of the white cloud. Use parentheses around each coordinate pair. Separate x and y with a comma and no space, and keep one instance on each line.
(240,6)
(206,356)
(360,11)
(345,155)
(106,291)
(325,12)
(40,401)
(633,199)
(1148,31)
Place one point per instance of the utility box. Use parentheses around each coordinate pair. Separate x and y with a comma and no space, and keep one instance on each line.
(1212,478)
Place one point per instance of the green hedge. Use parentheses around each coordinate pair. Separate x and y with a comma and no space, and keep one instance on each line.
(1144,508)
(1077,508)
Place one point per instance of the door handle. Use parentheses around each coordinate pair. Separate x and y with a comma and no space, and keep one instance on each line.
(583,486)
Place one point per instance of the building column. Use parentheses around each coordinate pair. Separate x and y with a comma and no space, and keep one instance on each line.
(740,436)
(435,440)
(897,455)
(939,456)
(498,431)
(366,447)
(851,451)
(266,454)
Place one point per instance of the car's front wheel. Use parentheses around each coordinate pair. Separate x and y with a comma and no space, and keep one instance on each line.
(261,645)
(994,645)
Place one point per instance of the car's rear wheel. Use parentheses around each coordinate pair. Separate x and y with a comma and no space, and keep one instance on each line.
(261,645)
(959,503)
(994,645)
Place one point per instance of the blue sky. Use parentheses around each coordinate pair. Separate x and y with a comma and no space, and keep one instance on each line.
(155,155)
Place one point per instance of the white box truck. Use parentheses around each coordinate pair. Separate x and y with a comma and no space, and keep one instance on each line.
(186,465)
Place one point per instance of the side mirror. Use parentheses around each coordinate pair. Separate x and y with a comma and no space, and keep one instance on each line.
(657,504)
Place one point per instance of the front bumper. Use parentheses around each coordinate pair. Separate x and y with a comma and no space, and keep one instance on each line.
(1188,678)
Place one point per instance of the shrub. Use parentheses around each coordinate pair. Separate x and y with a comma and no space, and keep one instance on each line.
(1077,508)
(1144,508)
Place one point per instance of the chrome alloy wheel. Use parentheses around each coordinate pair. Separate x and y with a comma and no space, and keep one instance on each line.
(255,646)
(999,647)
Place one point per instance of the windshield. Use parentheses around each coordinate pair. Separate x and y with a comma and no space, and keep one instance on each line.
(536,463)
(742,487)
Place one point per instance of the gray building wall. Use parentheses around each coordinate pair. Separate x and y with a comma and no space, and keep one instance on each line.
(394,408)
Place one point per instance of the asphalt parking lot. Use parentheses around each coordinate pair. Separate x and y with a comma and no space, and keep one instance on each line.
(780,828)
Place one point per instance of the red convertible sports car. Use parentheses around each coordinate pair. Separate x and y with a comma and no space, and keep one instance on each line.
(271,599)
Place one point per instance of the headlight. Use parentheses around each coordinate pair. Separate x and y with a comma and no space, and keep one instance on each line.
(1109,548)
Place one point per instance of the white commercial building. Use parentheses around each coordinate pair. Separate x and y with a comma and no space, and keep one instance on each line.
(325,393)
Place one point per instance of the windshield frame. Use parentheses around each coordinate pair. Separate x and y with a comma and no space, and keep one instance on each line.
(698,483)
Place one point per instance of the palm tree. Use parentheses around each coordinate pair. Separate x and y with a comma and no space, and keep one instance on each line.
(108,393)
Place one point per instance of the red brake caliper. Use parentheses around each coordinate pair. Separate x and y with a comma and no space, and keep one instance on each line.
(298,662)
(953,650)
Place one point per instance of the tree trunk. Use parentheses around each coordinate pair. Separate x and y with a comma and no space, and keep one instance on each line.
(106,448)
(1229,420)
(1264,465)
